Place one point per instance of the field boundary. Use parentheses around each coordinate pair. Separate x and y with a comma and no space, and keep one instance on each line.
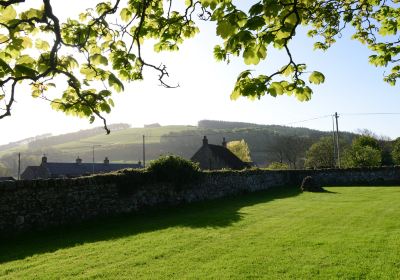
(38,204)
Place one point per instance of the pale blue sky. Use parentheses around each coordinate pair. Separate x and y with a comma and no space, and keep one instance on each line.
(352,86)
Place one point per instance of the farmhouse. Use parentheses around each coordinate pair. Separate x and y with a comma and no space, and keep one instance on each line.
(70,170)
(215,157)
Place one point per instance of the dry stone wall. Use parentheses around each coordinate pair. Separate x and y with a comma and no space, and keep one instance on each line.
(38,204)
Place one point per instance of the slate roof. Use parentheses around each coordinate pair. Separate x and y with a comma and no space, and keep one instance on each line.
(227,156)
(2,179)
(57,169)
(65,169)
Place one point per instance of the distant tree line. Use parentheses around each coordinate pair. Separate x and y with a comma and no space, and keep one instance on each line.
(364,151)
(23,141)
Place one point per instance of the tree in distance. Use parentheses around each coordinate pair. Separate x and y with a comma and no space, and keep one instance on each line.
(396,151)
(320,154)
(290,149)
(240,149)
(364,152)
(93,55)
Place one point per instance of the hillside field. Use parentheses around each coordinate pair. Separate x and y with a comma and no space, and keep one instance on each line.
(345,233)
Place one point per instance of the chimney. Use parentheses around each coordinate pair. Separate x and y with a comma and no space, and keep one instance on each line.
(44,159)
(78,161)
(106,161)
(205,141)
(223,142)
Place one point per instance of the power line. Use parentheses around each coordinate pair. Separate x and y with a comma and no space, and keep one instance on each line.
(366,114)
(307,120)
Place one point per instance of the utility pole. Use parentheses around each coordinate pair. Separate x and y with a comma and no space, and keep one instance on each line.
(144,153)
(334,141)
(337,138)
(93,161)
(19,166)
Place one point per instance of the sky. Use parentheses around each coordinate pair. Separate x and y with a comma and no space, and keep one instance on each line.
(353,88)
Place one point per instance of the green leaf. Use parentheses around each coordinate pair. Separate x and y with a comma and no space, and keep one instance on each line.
(114,82)
(26,42)
(70,62)
(225,29)
(275,89)
(126,14)
(99,59)
(42,45)
(26,60)
(83,16)
(105,92)
(250,56)
(4,68)
(288,70)
(316,78)
(32,13)
(105,107)
(103,7)
(88,72)
(8,14)
(235,94)
(3,38)
(36,93)
(255,23)
(23,70)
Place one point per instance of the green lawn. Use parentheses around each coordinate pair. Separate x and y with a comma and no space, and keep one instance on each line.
(346,233)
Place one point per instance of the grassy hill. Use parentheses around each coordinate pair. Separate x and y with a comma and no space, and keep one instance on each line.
(346,233)
(124,144)
(122,137)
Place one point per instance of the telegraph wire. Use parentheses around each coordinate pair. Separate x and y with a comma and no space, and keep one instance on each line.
(367,114)
(307,120)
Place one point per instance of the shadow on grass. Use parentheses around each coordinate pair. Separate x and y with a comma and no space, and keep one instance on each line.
(328,191)
(324,190)
(214,213)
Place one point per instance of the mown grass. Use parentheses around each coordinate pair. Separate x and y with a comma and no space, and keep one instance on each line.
(346,233)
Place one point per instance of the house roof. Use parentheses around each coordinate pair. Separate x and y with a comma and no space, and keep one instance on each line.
(56,169)
(227,156)
(35,172)
(2,179)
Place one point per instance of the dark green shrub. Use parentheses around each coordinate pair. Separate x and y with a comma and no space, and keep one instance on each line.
(174,169)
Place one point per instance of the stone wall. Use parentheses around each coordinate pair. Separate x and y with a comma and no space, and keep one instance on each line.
(32,205)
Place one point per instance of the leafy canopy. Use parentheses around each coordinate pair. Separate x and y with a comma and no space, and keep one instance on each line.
(364,152)
(240,149)
(320,154)
(92,56)
(396,151)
